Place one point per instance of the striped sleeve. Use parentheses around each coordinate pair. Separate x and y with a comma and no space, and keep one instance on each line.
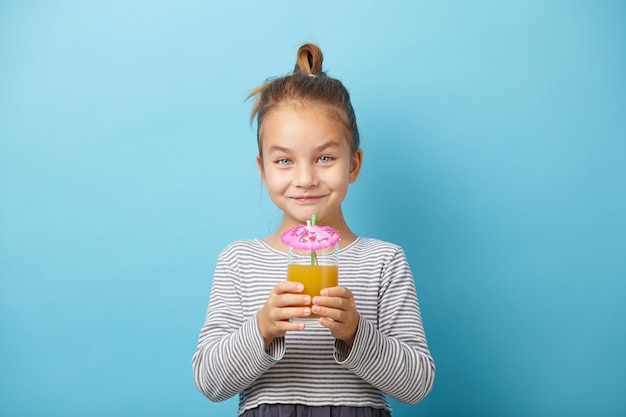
(392,354)
(230,355)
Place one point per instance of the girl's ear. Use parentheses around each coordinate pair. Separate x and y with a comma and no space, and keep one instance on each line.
(355,165)
(259,165)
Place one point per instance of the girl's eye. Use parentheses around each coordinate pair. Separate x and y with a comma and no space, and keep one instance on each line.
(325,159)
(283,161)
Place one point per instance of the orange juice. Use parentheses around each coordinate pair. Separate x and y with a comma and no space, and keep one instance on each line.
(314,277)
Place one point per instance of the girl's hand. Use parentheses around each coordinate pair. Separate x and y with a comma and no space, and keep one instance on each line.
(283,303)
(338,312)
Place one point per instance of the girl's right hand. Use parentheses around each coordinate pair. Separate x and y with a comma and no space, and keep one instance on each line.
(283,303)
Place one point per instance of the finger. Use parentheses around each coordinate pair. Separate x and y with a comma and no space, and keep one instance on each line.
(327,312)
(289,326)
(291,300)
(330,323)
(334,302)
(287,313)
(349,316)
(338,291)
(288,287)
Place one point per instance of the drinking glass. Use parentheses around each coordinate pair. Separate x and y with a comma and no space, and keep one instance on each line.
(316,270)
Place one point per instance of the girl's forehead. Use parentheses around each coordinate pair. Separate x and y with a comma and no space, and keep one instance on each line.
(297,118)
(294,130)
(304,112)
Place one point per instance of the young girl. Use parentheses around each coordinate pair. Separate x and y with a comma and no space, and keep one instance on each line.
(259,339)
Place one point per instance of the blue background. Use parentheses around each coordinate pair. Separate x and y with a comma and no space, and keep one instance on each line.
(494,135)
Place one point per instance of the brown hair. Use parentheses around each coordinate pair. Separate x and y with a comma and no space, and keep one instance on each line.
(309,84)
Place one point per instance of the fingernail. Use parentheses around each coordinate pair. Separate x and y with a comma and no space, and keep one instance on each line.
(307,300)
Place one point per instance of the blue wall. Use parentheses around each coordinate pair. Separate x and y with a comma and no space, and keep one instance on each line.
(495,153)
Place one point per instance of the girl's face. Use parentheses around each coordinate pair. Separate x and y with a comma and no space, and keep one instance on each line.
(306,163)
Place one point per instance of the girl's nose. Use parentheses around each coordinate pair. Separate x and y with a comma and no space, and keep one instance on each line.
(305,176)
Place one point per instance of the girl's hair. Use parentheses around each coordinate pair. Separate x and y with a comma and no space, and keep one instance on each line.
(307,84)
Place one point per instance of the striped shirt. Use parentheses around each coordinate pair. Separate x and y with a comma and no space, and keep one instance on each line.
(389,356)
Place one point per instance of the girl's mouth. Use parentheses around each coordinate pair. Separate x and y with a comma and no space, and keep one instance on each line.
(307,199)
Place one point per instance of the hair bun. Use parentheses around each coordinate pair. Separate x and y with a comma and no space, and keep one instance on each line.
(309,60)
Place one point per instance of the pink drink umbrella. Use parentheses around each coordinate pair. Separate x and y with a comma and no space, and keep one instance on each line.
(310,237)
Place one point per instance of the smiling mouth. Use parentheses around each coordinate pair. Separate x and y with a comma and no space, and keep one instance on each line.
(307,199)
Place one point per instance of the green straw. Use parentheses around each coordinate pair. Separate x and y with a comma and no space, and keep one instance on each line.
(314,220)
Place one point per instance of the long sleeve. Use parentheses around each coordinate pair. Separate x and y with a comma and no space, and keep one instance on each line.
(230,354)
(392,353)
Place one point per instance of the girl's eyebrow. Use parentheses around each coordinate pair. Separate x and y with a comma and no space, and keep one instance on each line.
(330,144)
(279,149)
(323,147)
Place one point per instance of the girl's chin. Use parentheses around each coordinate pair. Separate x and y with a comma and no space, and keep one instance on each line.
(298,218)
(301,218)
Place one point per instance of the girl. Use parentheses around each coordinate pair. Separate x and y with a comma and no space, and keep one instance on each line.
(258,339)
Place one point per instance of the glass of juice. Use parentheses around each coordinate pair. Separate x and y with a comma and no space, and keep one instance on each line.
(314,269)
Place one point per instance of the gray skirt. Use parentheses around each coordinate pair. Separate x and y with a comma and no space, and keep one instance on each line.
(297,410)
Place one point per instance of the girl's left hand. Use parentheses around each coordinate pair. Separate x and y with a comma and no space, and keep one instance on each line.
(337,312)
